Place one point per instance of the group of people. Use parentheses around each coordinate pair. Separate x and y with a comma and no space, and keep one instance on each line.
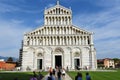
(56,74)
(36,77)
(79,76)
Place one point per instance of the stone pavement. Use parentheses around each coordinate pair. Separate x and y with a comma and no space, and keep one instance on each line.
(67,77)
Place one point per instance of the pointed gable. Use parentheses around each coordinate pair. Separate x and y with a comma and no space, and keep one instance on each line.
(58,9)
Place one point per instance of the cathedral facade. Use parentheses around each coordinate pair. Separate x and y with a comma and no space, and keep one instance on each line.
(58,43)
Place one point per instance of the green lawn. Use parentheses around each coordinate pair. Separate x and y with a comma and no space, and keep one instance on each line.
(98,75)
(94,75)
(19,75)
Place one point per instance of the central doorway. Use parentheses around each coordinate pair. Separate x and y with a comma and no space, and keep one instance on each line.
(58,60)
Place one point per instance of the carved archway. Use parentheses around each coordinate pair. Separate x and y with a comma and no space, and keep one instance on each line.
(58,57)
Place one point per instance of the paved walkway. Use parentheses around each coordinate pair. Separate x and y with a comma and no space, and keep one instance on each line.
(67,77)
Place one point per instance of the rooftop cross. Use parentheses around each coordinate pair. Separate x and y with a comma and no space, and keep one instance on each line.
(57,2)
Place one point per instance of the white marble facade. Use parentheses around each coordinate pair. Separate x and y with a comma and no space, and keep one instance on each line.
(58,43)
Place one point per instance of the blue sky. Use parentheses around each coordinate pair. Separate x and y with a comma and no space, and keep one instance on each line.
(99,16)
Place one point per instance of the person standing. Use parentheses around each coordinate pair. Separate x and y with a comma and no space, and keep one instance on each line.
(33,78)
(59,75)
(88,76)
(79,76)
(40,76)
(63,73)
(50,70)
(53,72)
(34,73)
(50,77)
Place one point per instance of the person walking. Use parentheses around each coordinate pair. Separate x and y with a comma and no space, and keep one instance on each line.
(88,76)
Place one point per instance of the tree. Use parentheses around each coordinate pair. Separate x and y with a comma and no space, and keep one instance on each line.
(17,63)
(10,59)
(117,62)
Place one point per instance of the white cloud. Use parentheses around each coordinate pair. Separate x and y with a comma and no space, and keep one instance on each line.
(7,8)
(17,21)
(39,21)
(11,30)
(108,48)
(107,3)
(11,35)
(106,26)
(4,8)
(50,5)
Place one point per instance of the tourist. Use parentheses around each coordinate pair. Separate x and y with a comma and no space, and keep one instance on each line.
(50,70)
(50,77)
(59,75)
(88,76)
(34,73)
(67,68)
(63,72)
(79,76)
(57,69)
(76,76)
(40,76)
(33,78)
(53,72)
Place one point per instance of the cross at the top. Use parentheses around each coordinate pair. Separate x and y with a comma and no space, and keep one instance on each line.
(57,2)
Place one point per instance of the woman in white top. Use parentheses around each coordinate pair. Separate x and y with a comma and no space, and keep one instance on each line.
(63,72)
